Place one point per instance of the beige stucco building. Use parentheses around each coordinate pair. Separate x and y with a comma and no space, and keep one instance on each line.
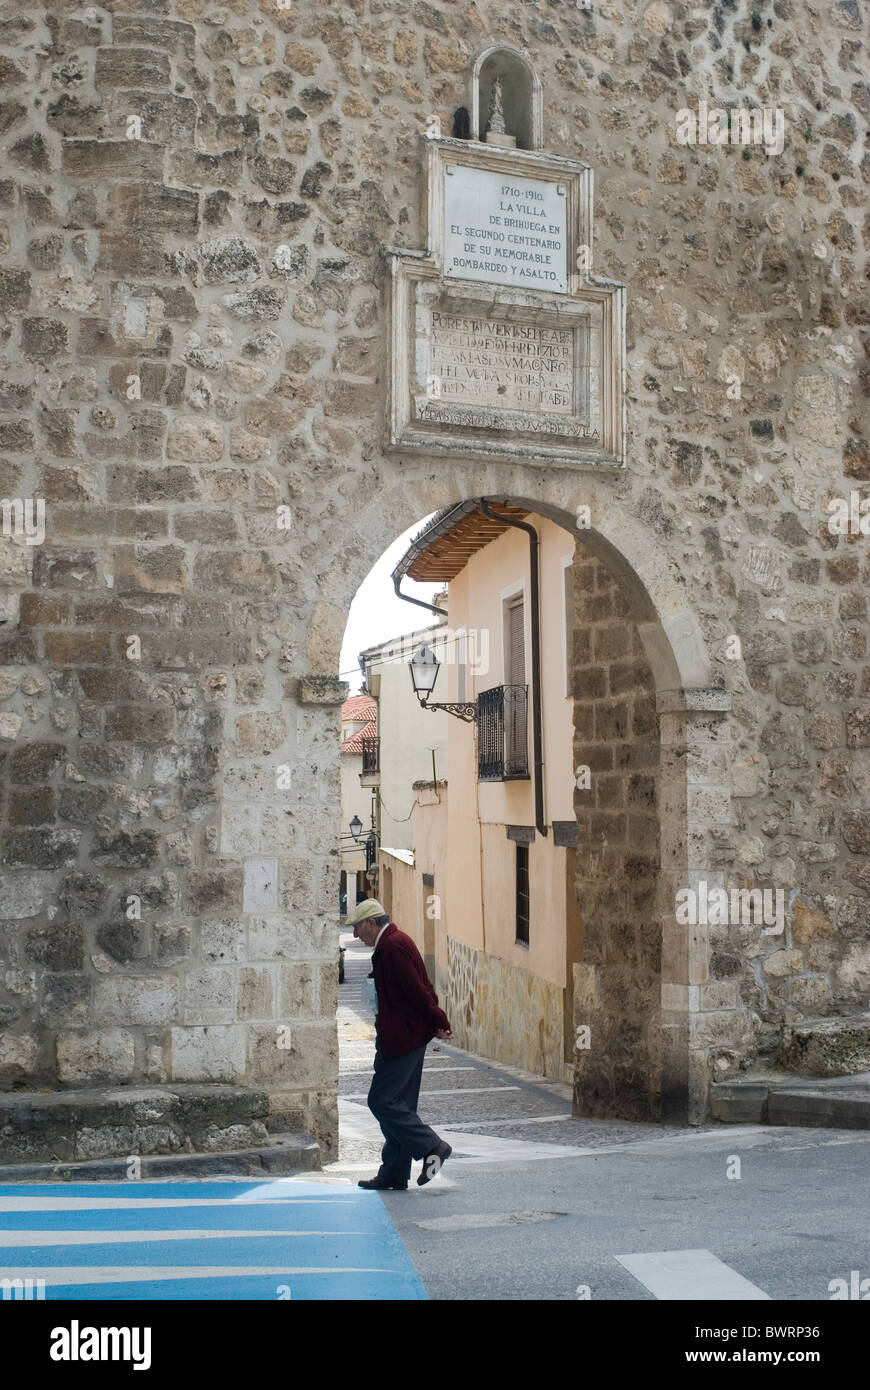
(495,853)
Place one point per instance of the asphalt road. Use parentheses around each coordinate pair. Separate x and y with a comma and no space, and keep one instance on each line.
(536,1205)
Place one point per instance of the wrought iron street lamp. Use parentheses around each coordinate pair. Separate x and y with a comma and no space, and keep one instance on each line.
(356,826)
(424,672)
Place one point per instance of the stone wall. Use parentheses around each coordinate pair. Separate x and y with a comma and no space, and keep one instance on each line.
(617,987)
(498,1011)
(193,339)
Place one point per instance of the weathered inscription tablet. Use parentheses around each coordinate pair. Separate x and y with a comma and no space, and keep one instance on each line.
(484,361)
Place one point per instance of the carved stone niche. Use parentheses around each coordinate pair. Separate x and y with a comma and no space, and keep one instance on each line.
(522,95)
(499,347)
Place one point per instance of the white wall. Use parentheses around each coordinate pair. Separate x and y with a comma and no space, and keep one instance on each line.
(407,732)
(355,801)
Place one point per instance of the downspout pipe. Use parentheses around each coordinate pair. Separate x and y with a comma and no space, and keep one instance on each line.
(421,603)
(537,729)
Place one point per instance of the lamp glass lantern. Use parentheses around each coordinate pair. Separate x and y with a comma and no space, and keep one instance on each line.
(424,671)
(356,826)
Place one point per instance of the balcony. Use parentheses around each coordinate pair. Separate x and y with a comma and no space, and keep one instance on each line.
(370,776)
(502,734)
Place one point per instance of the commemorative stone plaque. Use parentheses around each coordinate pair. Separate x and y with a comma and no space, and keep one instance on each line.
(500,347)
(504,230)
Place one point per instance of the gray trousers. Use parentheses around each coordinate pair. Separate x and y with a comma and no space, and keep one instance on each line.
(392,1100)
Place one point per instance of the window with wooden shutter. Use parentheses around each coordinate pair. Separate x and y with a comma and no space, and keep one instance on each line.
(515,656)
(516,738)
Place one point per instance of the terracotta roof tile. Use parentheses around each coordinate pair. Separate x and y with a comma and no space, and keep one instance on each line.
(358,707)
(355,743)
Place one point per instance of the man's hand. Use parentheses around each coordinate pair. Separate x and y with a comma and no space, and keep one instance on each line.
(444,1034)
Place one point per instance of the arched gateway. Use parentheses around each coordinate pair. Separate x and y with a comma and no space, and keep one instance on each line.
(639,985)
(180,919)
(260,317)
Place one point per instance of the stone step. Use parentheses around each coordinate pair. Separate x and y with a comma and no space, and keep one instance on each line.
(119,1122)
(739,1102)
(832,1103)
(820,1109)
(284,1154)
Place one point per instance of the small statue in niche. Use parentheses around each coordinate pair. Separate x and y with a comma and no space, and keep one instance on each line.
(496,110)
(496,130)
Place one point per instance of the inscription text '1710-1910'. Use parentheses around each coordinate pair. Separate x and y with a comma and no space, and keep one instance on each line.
(505,230)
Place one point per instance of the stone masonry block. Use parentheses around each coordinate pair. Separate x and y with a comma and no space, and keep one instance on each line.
(22,894)
(111,159)
(222,942)
(131,67)
(18,1054)
(214,1053)
(298,989)
(210,996)
(94,1057)
(311,1057)
(136,999)
(256,997)
(288,937)
(261,885)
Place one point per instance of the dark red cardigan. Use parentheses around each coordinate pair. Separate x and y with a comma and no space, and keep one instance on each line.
(408,1012)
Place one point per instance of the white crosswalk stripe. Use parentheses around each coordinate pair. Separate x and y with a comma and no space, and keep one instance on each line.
(466,1091)
(698,1275)
(34,1239)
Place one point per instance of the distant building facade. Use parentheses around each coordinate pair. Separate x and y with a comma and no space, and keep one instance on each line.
(412,739)
(358,750)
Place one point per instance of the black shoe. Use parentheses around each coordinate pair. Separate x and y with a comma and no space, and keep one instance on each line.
(378,1185)
(433,1163)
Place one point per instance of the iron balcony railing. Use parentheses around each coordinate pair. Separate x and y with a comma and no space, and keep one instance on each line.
(371,755)
(502,733)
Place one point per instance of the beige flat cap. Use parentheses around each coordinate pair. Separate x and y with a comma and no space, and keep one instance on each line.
(370,907)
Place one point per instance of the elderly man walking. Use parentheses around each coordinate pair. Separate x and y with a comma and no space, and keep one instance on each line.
(408,1016)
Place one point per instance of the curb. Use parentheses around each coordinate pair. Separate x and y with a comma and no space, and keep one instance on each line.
(817,1109)
(756,1102)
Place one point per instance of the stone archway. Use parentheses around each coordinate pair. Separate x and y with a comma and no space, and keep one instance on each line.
(662,1068)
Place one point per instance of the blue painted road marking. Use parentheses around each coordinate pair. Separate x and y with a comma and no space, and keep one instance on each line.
(234,1239)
